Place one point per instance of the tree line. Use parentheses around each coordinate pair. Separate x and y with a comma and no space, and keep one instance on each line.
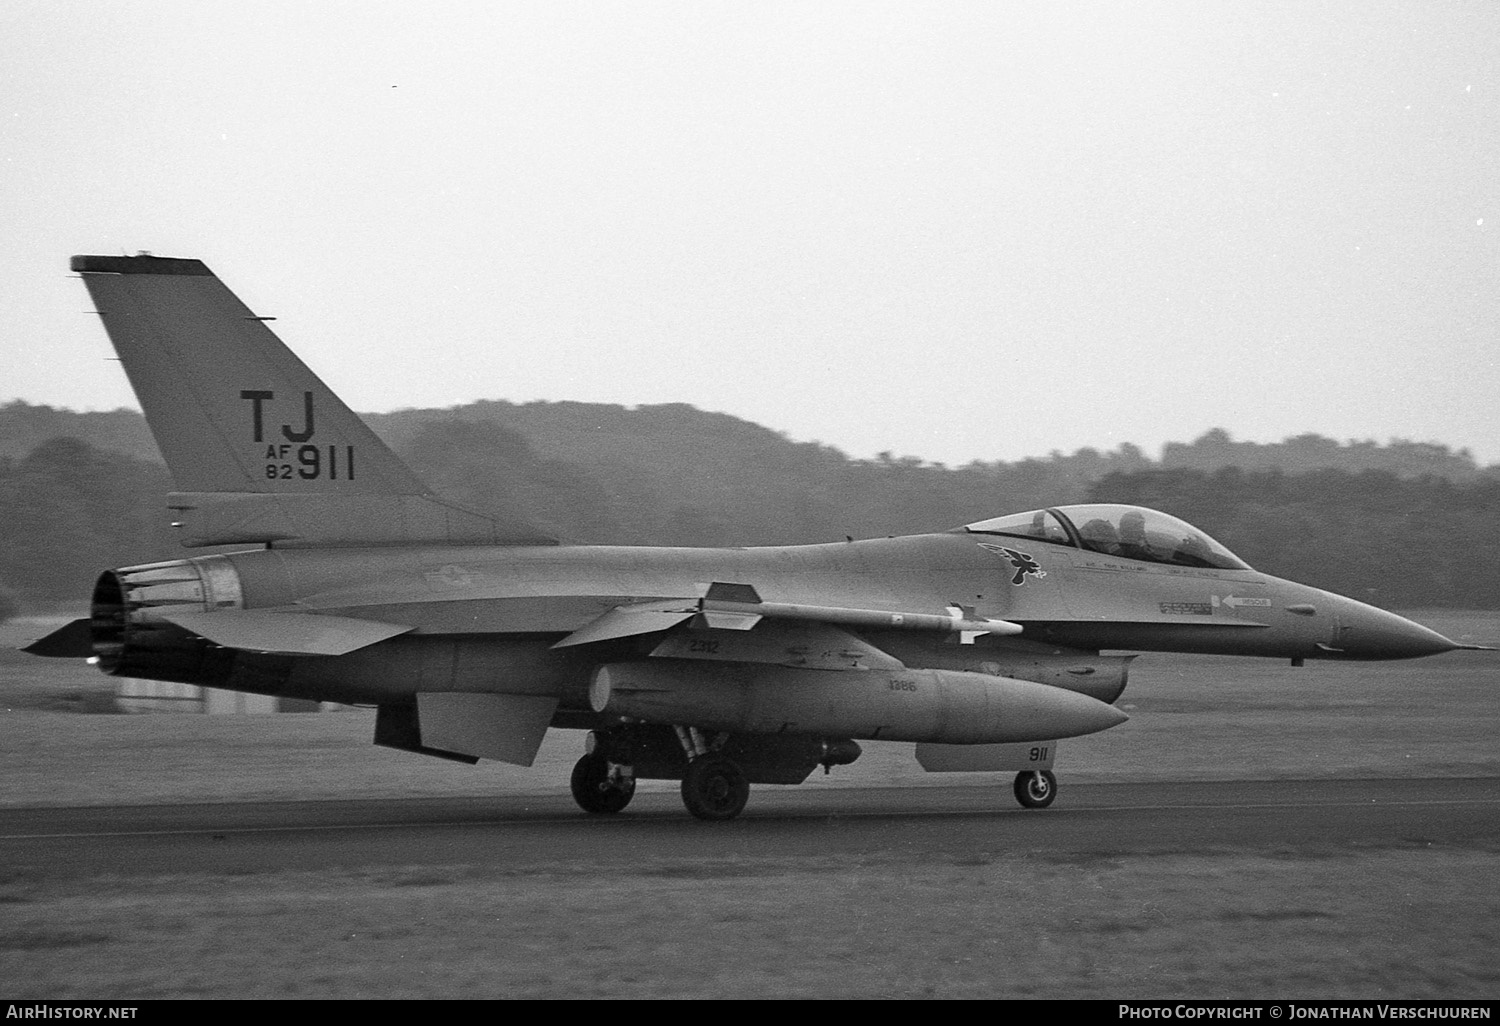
(1403,524)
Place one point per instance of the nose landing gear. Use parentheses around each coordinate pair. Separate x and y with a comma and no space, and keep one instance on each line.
(1035,789)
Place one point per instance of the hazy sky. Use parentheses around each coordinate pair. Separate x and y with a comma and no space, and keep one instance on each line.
(951,230)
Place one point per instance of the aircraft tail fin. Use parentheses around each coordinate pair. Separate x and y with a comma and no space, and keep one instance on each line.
(259,448)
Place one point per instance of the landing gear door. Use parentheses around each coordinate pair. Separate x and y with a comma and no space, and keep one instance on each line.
(1025,755)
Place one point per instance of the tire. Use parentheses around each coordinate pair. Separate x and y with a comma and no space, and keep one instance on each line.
(1036,789)
(714,788)
(595,792)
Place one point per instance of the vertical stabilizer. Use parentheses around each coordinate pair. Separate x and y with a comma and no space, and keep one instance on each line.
(259,448)
(232,408)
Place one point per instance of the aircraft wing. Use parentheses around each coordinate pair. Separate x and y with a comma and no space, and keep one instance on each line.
(726,609)
(629,620)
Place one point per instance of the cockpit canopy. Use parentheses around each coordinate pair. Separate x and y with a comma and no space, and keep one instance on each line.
(1132,532)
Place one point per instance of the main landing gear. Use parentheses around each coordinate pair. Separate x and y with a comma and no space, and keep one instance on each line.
(715,782)
(714,788)
(1035,789)
(600,786)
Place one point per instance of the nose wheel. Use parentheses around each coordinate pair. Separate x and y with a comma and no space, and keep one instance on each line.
(1035,789)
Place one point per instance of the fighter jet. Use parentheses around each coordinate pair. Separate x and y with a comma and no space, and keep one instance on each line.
(471,634)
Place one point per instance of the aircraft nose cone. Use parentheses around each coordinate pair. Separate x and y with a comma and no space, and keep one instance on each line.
(1369,633)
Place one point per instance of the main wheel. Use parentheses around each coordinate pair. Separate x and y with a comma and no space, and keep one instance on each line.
(595,791)
(1035,789)
(714,788)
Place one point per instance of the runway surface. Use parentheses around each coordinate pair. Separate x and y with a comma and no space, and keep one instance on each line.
(530,833)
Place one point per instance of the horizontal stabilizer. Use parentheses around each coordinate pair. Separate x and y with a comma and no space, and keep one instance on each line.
(628,621)
(255,630)
(71,641)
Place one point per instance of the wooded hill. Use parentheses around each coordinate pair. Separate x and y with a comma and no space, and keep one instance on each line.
(1402,524)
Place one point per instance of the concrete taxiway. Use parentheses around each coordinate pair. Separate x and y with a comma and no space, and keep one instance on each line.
(540,833)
